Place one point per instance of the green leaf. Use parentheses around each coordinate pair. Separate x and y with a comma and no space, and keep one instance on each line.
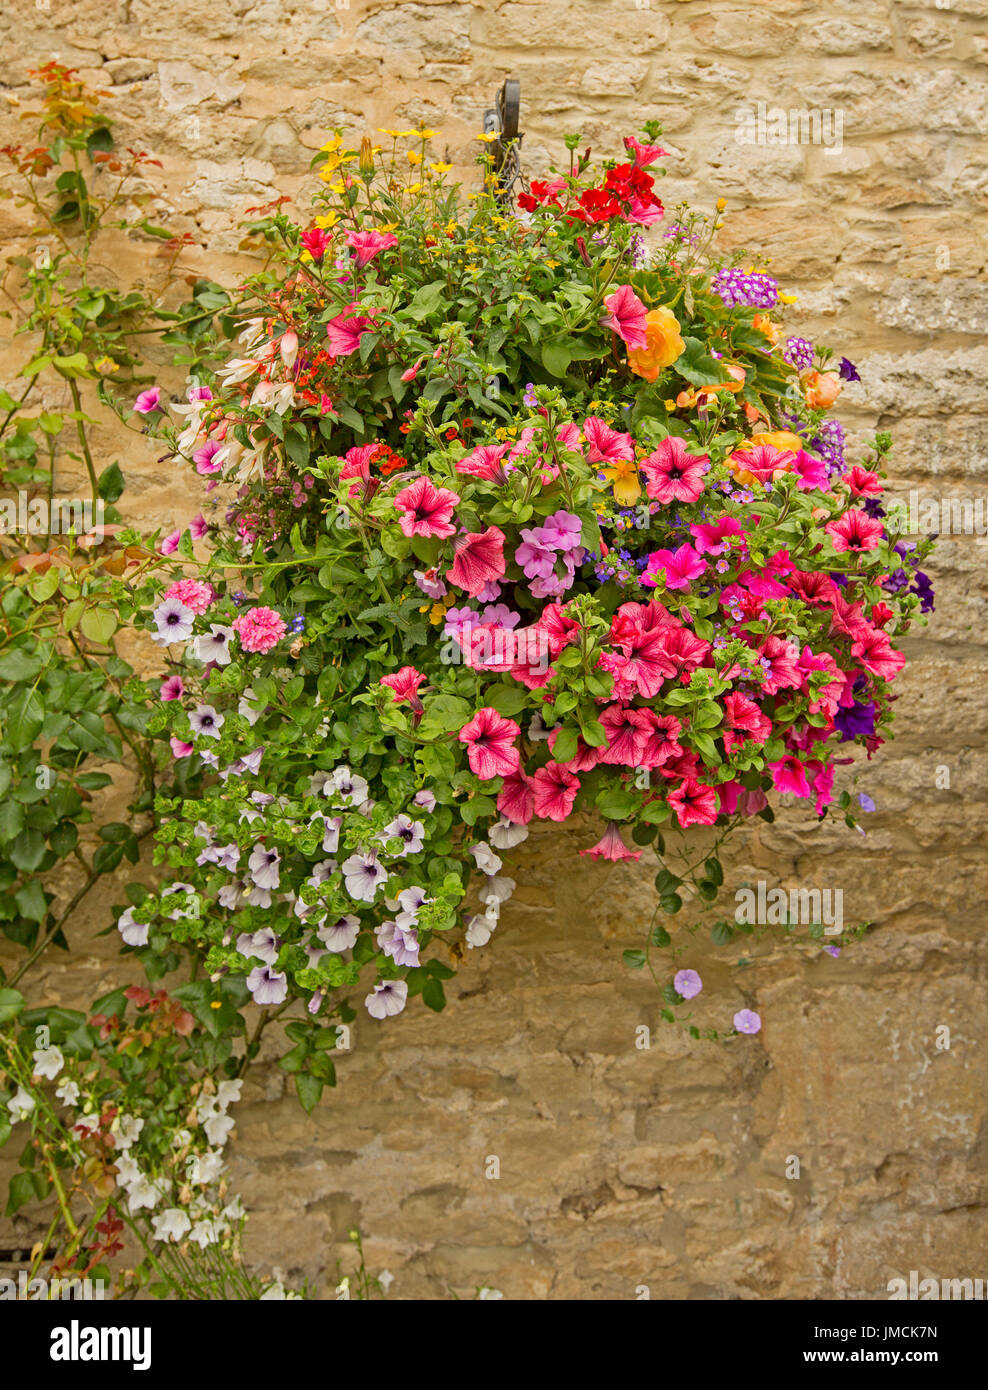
(698,367)
(433,995)
(98,624)
(565,745)
(24,720)
(722,934)
(11,1004)
(556,357)
(309,1090)
(31,902)
(634,960)
(11,820)
(110,483)
(20,665)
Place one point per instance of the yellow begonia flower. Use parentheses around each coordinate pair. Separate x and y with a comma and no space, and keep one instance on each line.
(623,476)
(327,220)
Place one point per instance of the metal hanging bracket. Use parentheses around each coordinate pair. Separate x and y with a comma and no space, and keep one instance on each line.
(502,121)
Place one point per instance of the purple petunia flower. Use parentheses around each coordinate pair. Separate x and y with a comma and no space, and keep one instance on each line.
(848,371)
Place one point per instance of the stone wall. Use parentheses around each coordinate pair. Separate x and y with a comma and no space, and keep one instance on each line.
(619,1166)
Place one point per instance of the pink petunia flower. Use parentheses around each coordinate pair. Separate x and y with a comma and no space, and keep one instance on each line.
(606,445)
(259,629)
(315,241)
(170,543)
(863,482)
(610,846)
(173,688)
(672,474)
(873,649)
(490,740)
(855,530)
(626,316)
(644,155)
(478,559)
(367,245)
(426,509)
(694,803)
(485,462)
(516,799)
(404,685)
(711,537)
(203,458)
(180,749)
(555,789)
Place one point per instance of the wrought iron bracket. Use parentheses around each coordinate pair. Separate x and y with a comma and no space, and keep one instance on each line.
(502,121)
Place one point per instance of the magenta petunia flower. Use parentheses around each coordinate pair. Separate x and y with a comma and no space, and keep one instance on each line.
(345,331)
(679,566)
(204,457)
(148,401)
(789,775)
(490,741)
(315,241)
(259,629)
(426,509)
(172,688)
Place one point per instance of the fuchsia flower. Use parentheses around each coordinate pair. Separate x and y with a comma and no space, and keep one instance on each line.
(612,847)
(672,474)
(626,316)
(490,740)
(345,331)
(404,685)
(426,509)
(259,629)
(196,595)
(680,567)
(410,373)
(478,559)
(148,401)
(855,530)
(367,245)
(555,789)
(606,445)
(315,241)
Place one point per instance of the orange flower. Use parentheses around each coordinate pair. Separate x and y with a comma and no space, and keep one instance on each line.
(777,439)
(822,389)
(703,395)
(765,325)
(663,345)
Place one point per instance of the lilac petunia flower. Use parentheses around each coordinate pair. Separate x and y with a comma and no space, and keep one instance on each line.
(389,998)
(400,943)
(133,933)
(424,800)
(214,645)
(267,986)
(263,865)
(364,875)
(207,721)
(411,833)
(341,935)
